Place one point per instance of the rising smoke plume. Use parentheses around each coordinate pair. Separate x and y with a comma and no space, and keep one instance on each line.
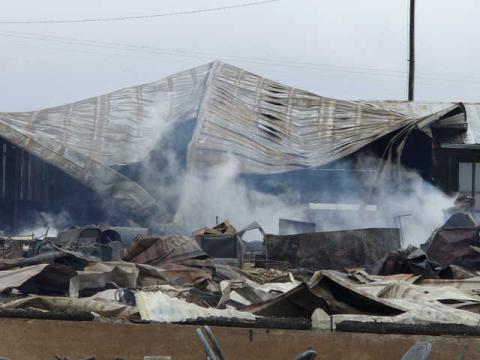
(193,200)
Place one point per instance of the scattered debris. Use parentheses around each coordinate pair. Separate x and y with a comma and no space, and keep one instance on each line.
(351,280)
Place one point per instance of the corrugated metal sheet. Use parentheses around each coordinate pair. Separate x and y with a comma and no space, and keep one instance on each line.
(416,109)
(86,137)
(268,127)
(272,128)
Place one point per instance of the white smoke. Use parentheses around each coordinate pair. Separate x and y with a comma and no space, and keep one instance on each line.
(197,199)
(418,206)
(413,204)
(46,223)
(220,192)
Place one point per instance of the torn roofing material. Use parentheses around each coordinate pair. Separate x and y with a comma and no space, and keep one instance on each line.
(268,127)
(148,250)
(327,290)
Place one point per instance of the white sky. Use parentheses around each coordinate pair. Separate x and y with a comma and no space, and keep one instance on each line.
(328,47)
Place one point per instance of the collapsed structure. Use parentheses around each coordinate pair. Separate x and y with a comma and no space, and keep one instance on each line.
(212,114)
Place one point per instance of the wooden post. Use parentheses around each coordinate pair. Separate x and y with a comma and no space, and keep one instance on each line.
(411,60)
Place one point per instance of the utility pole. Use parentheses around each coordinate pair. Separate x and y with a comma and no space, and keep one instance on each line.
(411,60)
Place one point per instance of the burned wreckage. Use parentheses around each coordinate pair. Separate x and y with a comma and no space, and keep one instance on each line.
(151,265)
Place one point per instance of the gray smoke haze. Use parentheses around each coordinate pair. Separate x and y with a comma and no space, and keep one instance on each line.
(420,206)
(221,192)
(49,224)
(418,203)
(192,200)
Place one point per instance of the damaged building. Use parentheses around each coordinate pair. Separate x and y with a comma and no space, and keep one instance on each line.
(87,158)
(339,269)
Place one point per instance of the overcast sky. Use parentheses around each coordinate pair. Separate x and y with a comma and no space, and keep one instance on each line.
(350,49)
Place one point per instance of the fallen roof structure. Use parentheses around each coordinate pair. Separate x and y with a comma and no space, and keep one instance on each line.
(266,126)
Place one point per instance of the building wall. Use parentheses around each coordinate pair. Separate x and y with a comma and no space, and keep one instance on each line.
(29,186)
(447,171)
(43,339)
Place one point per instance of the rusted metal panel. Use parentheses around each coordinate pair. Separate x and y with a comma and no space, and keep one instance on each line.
(167,248)
(333,249)
(457,246)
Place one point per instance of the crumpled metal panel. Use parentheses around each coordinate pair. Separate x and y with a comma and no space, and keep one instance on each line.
(162,249)
(418,109)
(157,306)
(85,138)
(270,128)
(51,279)
(457,246)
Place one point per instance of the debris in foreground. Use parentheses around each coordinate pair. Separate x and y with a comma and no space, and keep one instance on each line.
(355,280)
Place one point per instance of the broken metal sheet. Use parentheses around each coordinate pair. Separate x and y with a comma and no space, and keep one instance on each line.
(52,303)
(419,314)
(456,272)
(470,286)
(469,138)
(444,294)
(76,260)
(263,276)
(224,228)
(157,306)
(227,249)
(375,288)
(277,288)
(99,275)
(162,249)
(125,235)
(172,273)
(459,220)
(332,249)
(241,292)
(405,261)
(269,127)
(247,292)
(420,305)
(342,295)
(131,275)
(365,278)
(38,279)
(223,242)
(76,236)
(458,246)
(333,293)
(85,138)
(427,312)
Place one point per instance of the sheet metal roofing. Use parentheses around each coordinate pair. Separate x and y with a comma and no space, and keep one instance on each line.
(266,126)
(417,109)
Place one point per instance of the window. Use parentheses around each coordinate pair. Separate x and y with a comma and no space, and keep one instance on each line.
(469,180)
(465,178)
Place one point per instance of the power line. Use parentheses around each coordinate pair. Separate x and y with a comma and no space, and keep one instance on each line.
(242,59)
(195,54)
(139,17)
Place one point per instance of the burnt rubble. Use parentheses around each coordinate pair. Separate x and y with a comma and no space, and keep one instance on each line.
(339,280)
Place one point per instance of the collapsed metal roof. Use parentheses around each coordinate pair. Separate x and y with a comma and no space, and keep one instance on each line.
(266,126)
(471,115)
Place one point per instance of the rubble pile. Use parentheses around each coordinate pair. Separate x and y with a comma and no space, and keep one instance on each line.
(129,275)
